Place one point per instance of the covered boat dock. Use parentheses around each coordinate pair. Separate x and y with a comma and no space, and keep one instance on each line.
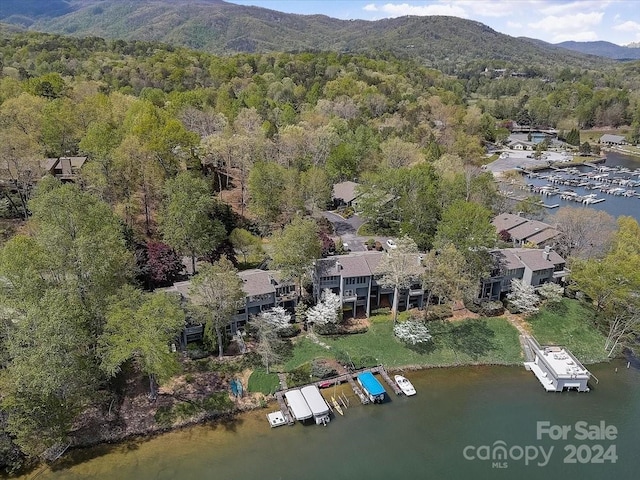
(298,405)
(372,386)
(317,404)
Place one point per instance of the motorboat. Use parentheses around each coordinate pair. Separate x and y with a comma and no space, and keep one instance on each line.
(405,385)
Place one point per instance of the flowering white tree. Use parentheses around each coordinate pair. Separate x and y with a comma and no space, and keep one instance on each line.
(277,317)
(412,331)
(327,309)
(551,292)
(523,297)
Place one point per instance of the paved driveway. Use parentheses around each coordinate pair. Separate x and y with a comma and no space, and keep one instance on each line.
(347,229)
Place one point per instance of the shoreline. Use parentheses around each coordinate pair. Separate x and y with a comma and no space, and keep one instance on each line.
(229,418)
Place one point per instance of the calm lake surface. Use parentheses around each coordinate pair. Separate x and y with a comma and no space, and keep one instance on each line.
(419,437)
(615,205)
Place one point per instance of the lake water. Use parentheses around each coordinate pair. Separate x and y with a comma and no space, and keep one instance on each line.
(424,436)
(615,205)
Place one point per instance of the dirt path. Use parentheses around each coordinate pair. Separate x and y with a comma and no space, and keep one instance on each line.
(519,322)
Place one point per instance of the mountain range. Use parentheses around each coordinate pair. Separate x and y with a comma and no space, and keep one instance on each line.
(224,28)
(604,49)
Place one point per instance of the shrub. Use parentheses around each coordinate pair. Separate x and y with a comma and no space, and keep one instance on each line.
(439,312)
(164,416)
(491,309)
(322,369)
(335,329)
(324,225)
(381,311)
(348,212)
(300,375)
(217,402)
(197,351)
(289,331)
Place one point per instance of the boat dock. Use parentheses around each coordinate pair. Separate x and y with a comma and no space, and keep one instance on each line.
(289,418)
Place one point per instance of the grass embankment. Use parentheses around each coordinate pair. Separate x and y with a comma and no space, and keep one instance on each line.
(263,382)
(482,341)
(572,324)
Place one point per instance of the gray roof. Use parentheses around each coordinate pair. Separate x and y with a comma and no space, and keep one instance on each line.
(608,138)
(66,164)
(528,229)
(356,264)
(532,258)
(254,282)
(506,221)
(345,191)
(544,235)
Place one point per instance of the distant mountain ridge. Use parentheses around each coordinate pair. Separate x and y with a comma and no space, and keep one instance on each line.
(603,49)
(224,28)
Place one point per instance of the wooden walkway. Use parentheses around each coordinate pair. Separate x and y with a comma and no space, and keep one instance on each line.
(383,373)
(284,408)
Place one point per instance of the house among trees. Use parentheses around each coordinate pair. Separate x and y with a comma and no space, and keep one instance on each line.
(533,266)
(521,145)
(263,289)
(353,278)
(65,169)
(344,193)
(523,231)
(608,139)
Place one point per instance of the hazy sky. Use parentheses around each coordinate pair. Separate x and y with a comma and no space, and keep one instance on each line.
(553,21)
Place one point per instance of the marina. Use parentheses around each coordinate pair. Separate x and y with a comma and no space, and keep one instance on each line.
(613,187)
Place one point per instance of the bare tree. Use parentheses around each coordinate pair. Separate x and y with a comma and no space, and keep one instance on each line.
(586,232)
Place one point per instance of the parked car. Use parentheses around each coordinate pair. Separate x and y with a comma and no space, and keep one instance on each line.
(391,245)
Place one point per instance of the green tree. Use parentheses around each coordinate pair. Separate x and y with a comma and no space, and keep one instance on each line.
(267,182)
(447,274)
(245,242)
(317,188)
(217,290)
(398,269)
(185,217)
(468,227)
(83,243)
(140,327)
(51,375)
(295,248)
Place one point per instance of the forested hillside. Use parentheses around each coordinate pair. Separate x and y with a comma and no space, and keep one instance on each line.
(185,148)
(447,43)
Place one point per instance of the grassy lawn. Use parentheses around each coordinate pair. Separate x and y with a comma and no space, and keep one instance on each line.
(570,324)
(261,381)
(491,340)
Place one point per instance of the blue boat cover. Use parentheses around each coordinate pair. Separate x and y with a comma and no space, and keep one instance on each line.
(368,381)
